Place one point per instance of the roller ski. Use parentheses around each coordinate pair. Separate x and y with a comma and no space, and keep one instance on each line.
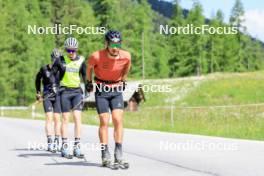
(77,153)
(65,153)
(106,162)
(56,147)
(106,157)
(50,148)
(119,163)
(50,144)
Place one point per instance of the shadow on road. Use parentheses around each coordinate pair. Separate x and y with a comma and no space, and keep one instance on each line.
(78,163)
(27,149)
(32,153)
(170,163)
(26,155)
(54,157)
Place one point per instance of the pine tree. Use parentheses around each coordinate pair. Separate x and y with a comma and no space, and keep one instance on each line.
(236,20)
(80,13)
(21,51)
(196,54)
(215,45)
(177,42)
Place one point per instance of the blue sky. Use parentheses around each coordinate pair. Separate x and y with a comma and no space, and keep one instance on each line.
(254,12)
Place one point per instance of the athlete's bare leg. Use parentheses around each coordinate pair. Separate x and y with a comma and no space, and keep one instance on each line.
(77,117)
(48,123)
(103,128)
(117,117)
(64,124)
(57,125)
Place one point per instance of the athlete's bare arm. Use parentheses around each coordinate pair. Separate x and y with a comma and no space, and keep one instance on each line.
(89,72)
(126,69)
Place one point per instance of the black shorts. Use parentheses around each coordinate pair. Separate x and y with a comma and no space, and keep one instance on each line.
(52,104)
(71,99)
(106,101)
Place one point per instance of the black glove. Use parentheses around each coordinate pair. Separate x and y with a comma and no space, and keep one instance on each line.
(89,86)
(59,65)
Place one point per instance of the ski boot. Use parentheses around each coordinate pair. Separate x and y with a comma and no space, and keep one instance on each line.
(77,152)
(119,162)
(106,157)
(50,144)
(56,147)
(50,148)
(65,152)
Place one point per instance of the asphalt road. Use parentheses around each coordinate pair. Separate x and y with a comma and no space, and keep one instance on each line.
(148,152)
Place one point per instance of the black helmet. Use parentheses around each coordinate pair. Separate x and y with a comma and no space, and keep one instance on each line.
(113,36)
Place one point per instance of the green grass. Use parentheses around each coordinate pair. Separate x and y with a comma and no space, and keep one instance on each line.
(228,89)
(246,123)
(217,89)
(179,87)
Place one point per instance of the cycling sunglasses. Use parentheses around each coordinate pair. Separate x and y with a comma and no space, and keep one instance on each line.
(114,45)
(70,50)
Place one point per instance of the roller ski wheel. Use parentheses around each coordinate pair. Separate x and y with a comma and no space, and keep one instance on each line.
(55,150)
(67,156)
(108,164)
(120,164)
